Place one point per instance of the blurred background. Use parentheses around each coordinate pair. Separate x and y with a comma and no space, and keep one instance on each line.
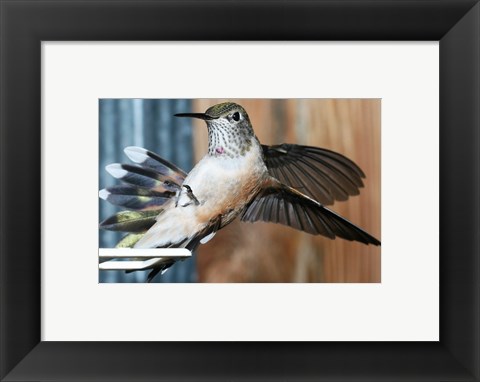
(258,252)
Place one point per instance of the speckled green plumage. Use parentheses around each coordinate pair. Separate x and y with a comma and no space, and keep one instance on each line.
(222,109)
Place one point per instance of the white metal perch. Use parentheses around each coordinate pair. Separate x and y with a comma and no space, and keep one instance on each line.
(138,259)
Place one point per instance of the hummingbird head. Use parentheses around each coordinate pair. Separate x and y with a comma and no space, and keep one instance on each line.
(230,132)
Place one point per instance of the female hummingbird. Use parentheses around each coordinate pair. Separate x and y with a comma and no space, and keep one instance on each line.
(287,184)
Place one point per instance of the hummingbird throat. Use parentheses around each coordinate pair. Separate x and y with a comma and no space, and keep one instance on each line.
(227,142)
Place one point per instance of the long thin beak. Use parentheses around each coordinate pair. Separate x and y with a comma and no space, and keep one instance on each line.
(203,116)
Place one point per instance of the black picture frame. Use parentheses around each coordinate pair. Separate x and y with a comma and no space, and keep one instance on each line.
(24,24)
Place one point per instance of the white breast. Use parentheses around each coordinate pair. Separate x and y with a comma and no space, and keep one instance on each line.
(215,178)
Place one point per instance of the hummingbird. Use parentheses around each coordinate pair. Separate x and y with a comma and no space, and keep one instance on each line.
(287,184)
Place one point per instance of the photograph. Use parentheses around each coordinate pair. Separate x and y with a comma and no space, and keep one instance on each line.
(252,190)
(306,211)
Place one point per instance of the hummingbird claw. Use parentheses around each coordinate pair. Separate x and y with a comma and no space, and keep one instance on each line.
(190,195)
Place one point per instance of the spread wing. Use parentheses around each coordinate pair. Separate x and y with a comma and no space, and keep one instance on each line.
(322,174)
(285,205)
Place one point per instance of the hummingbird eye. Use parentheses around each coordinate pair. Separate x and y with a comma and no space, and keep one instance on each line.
(236,116)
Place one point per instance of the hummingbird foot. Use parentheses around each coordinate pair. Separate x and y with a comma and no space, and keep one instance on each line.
(191,195)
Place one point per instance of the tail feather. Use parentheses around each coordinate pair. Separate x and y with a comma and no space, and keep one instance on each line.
(128,241)
(130,221)
(163,268)
(151,160)
(135,198)
(142,177)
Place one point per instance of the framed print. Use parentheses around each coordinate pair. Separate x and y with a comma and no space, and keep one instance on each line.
(26,232)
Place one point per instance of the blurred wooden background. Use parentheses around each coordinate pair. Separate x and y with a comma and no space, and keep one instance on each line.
(267,252)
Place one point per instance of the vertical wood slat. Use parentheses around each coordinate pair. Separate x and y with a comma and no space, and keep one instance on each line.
(266,252)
